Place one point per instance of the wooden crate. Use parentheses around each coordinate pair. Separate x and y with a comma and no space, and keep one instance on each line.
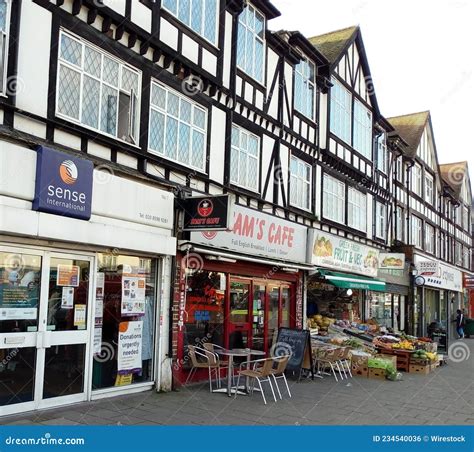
(377,374)
(422,370)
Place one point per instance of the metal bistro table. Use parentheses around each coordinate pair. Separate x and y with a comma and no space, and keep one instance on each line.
(242,352)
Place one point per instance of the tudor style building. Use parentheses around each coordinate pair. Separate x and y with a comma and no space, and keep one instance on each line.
(132,106)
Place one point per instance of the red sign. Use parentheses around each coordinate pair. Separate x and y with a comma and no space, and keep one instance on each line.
(206,213)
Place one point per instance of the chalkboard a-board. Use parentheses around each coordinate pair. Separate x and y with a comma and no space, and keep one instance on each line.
(298,342)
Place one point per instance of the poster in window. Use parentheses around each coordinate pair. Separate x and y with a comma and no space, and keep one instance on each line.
(68,275)
(129,359)
(18,303)
(99,285)
(80,316)
(133,295)
(67,298)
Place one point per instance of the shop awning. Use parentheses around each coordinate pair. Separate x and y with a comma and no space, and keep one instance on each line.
(348,281)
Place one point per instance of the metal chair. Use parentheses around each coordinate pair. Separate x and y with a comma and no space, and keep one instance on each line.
(210,347)
(279,372)
(259,370)
(211,363)
(331,358)
(345,360)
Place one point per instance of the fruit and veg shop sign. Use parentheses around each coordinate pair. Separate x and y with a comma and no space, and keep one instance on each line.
(331,251)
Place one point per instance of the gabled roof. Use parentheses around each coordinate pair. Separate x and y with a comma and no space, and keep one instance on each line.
(411,127)
(454,174)
(332,44)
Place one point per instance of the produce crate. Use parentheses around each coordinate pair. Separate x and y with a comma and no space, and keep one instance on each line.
(377,374)
(391,358)
(429,346)
(422,370)
(360,372)
(420,362)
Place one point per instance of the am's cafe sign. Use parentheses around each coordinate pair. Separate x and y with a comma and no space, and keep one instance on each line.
(258,234)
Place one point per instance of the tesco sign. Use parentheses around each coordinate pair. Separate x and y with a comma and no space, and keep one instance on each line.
(63,184)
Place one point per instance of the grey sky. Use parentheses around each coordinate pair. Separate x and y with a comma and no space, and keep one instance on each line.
(420,55)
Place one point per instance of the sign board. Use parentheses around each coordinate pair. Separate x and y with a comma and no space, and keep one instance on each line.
(63,184)
(129,359)
(209,213)
(331,251)
(298,342)
(392,261)
(468,281)
(437,274)
(258,234)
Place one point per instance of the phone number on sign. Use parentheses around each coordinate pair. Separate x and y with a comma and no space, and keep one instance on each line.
(396,439)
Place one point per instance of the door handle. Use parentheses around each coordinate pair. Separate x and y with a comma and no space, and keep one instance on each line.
(43,339)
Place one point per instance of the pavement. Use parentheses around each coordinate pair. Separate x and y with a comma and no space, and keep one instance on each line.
(443,397)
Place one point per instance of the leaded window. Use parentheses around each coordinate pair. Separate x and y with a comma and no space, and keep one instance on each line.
(244,158)
(333,199)
(341,111)
(4,32)
(300,183)
(357,209)
(305,75)
(362,141)
(178,127)
(97,90)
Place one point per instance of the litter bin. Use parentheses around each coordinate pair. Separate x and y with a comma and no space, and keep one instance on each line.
(469,328)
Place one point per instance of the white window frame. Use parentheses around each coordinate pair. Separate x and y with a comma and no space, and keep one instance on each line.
(133,132)
(400,224)
(465,218)
(260,78)
(4,43)
(340,121)
(430,239)
(193,4)
(241,152)
(362,135)
(305,102)
(416,231)
(417,179)
(300,184)
(356,209)
(382,154)
(334,199)
(458,256)
(429,188)
(380,220)
(163,111)
(400,170)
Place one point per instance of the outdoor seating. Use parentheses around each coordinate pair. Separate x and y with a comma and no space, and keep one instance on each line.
(330,358)
(204,359)
(213,348)
(279,372)
(261,371)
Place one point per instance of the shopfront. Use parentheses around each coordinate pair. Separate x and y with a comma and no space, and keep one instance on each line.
(236,288)
(344,285)
(437,295)
(83,265)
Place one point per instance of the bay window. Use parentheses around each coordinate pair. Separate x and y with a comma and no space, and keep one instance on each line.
(199,15)
(300,183)
(304,91)
(178,127)
(362,141)
(251,43)
(4,33)
(357,210)
(333,199)
(244,158)
(341,111)
(97,90)
(380,220)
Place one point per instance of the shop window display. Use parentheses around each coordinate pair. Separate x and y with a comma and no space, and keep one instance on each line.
(380,308)
(204,318)
(124,321)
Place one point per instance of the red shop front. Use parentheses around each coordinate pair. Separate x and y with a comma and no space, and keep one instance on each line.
(232,304)
(236,288)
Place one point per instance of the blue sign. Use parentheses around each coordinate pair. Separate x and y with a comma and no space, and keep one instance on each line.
(63,184)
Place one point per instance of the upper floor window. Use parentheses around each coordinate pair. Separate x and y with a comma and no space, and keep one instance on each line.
(429,189)
(417,179)
(300,183)
(4,32)
(357,209)
(199,15)
(466,260)
(380,220)
(465,218)
(382,154)
(177,128)
(416,232)
(400,224)
(341,111)
(399,168)
(97,90)
(244,158)
(430,239)
(333,199)
(251,42)
(305,76)
(458,257)
(362,129)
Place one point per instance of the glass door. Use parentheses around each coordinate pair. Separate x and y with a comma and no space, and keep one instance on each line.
(44,338)
(239,314)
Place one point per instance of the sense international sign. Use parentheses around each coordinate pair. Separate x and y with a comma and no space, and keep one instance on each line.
(331,251)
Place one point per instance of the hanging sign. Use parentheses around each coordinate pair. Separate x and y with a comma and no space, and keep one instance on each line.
(392,261)
(206,213)
(130,340)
